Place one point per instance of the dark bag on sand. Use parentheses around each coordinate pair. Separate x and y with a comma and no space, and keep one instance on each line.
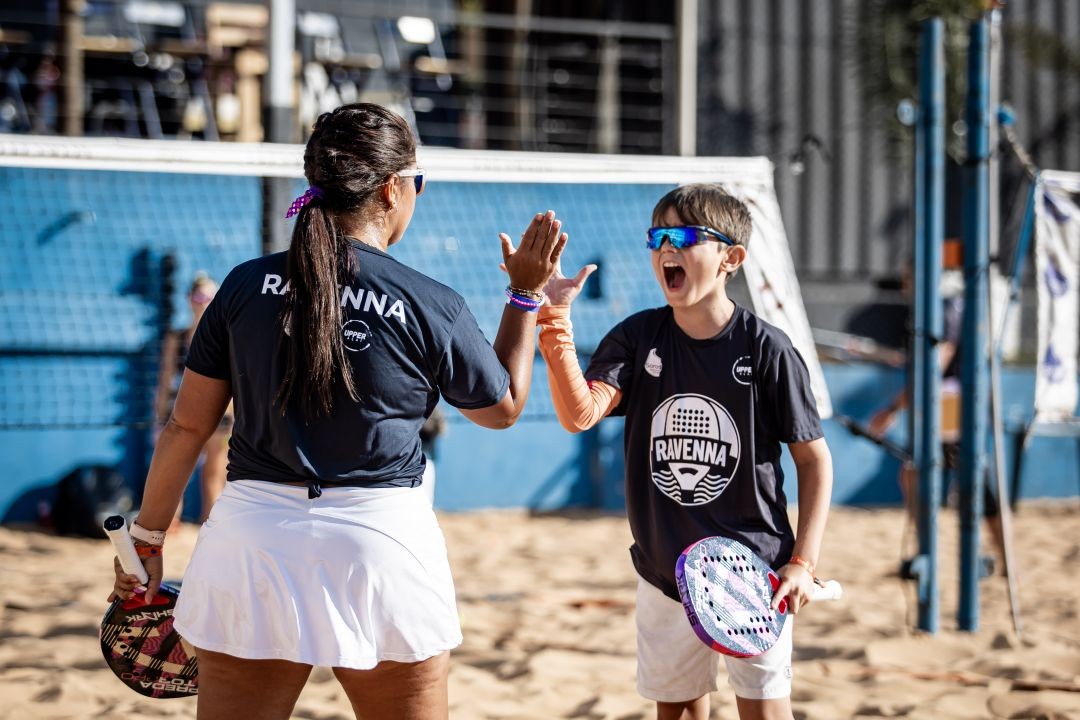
(88,495)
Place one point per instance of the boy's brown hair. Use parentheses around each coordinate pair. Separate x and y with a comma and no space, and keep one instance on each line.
(710,205)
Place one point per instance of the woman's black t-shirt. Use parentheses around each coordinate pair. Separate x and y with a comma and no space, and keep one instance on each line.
(408,338)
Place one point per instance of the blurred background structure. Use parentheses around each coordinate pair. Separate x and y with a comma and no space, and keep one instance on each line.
(94,262)
(813,87)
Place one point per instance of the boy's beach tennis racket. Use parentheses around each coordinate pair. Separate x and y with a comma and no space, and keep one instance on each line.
(726,591)
(138,640)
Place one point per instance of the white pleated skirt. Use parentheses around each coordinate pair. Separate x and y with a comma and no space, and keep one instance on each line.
(349,579)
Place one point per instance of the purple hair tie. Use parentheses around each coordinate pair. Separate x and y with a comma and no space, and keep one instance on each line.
(312,193)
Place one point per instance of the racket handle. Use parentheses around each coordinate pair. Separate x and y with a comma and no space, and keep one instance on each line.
(831,590)
(116,528)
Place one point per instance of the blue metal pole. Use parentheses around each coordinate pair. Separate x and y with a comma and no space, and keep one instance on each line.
(926,392)
(918,317)
(974,373)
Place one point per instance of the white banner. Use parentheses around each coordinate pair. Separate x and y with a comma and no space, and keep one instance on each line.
(773,285)
(1057,267)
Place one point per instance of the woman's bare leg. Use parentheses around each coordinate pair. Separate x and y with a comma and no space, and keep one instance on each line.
(232,687)
(402,691)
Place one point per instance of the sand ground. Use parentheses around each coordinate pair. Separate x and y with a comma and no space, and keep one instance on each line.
(547,607)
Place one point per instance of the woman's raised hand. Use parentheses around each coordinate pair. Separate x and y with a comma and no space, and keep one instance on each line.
(537,255)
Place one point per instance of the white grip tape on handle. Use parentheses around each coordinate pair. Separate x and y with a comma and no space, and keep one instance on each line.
(831,590)
(117,530)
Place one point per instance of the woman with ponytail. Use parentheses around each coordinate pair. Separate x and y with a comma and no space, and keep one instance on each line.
(322,550)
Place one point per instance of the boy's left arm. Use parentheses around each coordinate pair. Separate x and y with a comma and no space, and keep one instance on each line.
(813,465)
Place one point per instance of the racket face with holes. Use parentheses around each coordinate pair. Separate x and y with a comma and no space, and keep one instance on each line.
(726,590)
(144,651)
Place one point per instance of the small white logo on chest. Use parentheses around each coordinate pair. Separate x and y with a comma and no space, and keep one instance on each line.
(653,363)
(743,371)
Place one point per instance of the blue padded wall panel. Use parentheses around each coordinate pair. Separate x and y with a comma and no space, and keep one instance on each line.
(82,231)
(81,255)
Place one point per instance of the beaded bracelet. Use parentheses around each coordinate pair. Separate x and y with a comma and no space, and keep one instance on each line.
(531,294)
(521,302)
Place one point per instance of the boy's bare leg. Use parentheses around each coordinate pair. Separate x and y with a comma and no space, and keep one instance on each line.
(689,710)
(909,488)
(775,709)
(997,536)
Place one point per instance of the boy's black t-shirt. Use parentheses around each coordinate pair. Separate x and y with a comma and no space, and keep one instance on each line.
(704,424)
(408,339)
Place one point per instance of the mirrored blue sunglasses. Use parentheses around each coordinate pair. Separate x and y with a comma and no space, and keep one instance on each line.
(418,179)
(684,236)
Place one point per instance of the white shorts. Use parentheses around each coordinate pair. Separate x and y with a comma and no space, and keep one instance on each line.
(349,579)
(675,666)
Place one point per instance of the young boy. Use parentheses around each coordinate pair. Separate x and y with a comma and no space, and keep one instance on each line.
(702,368)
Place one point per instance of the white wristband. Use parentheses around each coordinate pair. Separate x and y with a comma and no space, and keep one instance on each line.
(151,537)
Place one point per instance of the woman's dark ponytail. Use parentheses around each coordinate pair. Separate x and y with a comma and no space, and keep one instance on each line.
(351,154)
(318,265)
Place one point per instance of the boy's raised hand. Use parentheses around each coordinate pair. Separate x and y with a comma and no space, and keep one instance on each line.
(561,290)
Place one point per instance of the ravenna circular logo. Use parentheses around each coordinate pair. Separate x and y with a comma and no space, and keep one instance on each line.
(694,449)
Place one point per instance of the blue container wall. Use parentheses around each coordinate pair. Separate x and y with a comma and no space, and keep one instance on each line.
(80,319)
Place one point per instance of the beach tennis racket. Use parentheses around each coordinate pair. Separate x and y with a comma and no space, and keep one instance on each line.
(727,590)
(138,640)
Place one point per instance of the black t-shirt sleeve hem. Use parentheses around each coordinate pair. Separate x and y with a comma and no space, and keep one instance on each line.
(215,373)
(813,433)
(609,378)
(483,404)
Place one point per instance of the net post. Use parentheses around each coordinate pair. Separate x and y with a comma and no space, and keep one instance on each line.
(73,102)
(926,390)
(974,373)
(686,12)
(278,117)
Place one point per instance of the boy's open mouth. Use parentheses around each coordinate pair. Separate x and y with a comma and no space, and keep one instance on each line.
(674,276)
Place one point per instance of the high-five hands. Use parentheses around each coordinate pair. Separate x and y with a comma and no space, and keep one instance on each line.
(561,290)
(537,255)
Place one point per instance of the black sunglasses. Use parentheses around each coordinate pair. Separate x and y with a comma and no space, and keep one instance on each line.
(418,179)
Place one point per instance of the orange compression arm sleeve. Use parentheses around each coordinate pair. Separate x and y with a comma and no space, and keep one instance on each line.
(578,403)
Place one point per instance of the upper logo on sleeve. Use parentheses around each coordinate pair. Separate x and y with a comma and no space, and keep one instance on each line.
(694,448)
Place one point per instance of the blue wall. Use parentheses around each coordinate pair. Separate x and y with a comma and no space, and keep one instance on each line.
(81,255)
(81,310)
